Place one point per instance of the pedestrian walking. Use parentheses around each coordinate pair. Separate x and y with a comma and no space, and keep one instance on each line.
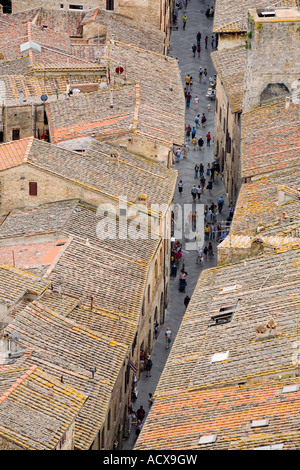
(196,170)
(194,131)
(208,170)
(182,280)
(188,99)
(194,48)
(212,231)
(180,187)
(212,172)
(200,143)
(208,138)
(140,414)
(168,336)
(150,399)
(148,366)
(200,74)
(196,102)
(191,83)
(212,42)
(201,170)
(209,186)
(138,428)
(194,143)
(187,81)
(197,120)
(199,256)
(210,251)
(184,21)
(199,192)
(194,192)
(220,204)
(198,37)
(203,120)
(205,252)
(206,41)
(198,50)
(188,130)
(186,301)
(206,232)
(202,183)
(156,325)
(231,211)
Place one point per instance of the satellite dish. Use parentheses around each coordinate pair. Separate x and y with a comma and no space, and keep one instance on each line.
(119,70)
(44,97)
(76,90)
(103,85)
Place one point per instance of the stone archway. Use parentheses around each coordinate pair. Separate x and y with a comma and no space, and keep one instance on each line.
(273,91)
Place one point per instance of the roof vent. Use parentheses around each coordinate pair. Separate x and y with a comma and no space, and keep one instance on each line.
(210,439)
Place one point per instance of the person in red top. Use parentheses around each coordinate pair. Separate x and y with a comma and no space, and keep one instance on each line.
(208,138)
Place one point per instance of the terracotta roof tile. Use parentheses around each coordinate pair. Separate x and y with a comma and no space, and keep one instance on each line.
(270,138)
(14,153)
(25,404)
(230,65)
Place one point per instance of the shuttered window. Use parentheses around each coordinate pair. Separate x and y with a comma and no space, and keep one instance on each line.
(32,188)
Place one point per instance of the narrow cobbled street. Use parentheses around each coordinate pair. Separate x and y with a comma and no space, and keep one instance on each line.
(181,48)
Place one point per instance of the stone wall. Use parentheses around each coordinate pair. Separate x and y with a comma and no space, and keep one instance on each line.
(27,118)
(273,59)
(227,126)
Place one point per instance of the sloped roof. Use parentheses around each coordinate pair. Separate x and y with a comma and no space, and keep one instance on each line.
(257,206)
(230,66)
(133,176)
(231,414)
(14,283)
(88,113)
(231,17)
(27,420)
(14,153)
(56,48)
(192,385)
(270,138)
(67,351)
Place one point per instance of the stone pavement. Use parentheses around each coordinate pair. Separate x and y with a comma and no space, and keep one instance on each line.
(182,41)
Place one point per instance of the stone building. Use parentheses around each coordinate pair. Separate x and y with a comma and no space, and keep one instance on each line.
(230,67)
(273,34)
(236,347)
(155,13)
(28,423)
(230,21)
(101,296)
(243,82)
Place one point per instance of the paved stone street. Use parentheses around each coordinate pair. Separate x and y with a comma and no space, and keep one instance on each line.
(182,41)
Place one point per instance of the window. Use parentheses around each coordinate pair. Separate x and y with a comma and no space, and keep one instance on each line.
(149,294)
(76,7)
(32,188)
(15,134)
(109,4)
(1,136)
